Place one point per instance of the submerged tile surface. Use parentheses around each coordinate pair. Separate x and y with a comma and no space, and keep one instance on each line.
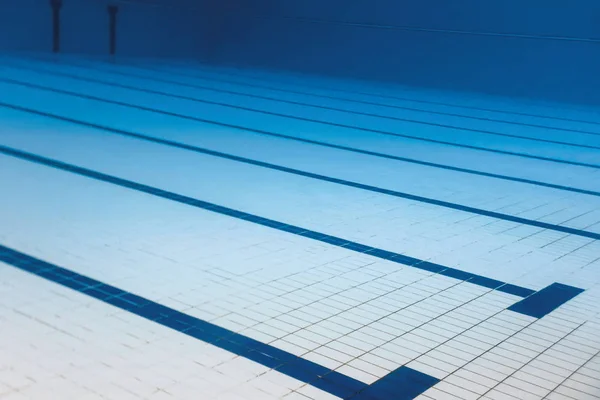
(175,230)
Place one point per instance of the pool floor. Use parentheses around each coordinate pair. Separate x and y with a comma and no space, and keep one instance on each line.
(174,230)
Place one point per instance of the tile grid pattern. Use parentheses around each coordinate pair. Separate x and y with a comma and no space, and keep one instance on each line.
(519,356)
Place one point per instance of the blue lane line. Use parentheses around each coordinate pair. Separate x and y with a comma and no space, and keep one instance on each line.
(321,237)
(318,143)
(333,146)
(191,118)
(403,195)
(388,386)
(546,300)
(292,116)
(406,381)
(272,84)
(318,95)
(95,67)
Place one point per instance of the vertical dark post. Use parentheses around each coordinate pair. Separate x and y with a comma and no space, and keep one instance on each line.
(112,15)
(56,5)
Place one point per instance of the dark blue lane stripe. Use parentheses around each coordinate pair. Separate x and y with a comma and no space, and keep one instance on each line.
(332,240)
(408,196)
(370,94)
(286,363)
(94,67)
(261,111)
(403,384)
(188,117)
(388,387)
(546,300)
(334,146)
(344,99)
(405,381)
(321,237)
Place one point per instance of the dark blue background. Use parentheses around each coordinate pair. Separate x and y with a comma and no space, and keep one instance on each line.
(319,37)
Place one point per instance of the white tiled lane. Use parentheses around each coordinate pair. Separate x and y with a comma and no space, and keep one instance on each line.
(413,123)
(357,314)
(466,240)
(57,343)
(397,146)
(406,122)
(402,225)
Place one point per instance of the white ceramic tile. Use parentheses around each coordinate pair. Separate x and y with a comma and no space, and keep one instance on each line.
(364,315)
